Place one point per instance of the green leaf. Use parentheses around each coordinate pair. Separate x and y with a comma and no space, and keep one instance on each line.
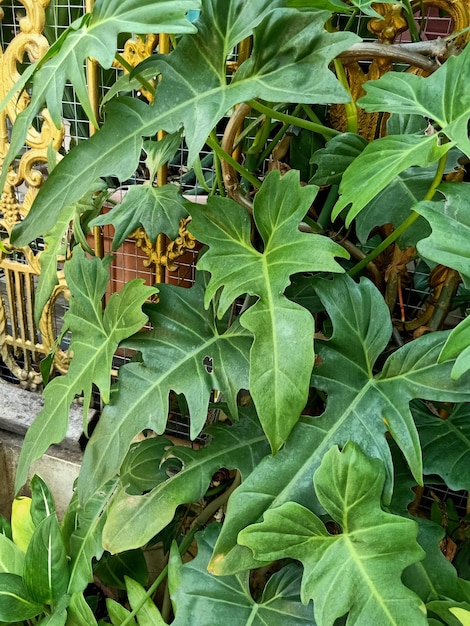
(228,599)
(379,163)
(184,337)
(443,609)
(359,570)
(95,337)
(434,578)
(448,243)
(160,152)
(446,445)
(42,501)
(117,613)
(335,157)
(135,519)
(360,407)
(277,323)
(58,618)
(95,36)
(148,614)
(46,570)
(113,569)
(393,204)
(401,92)
(79,612)
(156,209)
(462,614)
(288,49)
(85,541)
(11,557)
(336,6)
(15,604)
(140,471)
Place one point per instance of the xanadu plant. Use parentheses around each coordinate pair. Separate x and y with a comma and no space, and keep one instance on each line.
(335,414)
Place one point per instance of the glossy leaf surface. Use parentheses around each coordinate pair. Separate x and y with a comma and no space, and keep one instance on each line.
(360,407)
(46,570)
(193,79)
(228,599)
(184,338)
(135,519)
(15,603)
(155,209)
(279,374)
(357,571)
(95,36)
(95,337)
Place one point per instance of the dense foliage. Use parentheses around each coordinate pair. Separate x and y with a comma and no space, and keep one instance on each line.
(337,403)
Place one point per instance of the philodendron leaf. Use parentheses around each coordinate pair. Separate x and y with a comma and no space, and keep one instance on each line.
(46,570)
(448,243)
(446,444)
(135,519)
(279,374)
(15,603)
(357,571)
(335,157)
(95,337)
(156,209)
(95,36)
(185,352)
(434,578)
(401,92)
(288,49)
(79,612)
(379,163)
(360,407)
(393,204)
(228,599)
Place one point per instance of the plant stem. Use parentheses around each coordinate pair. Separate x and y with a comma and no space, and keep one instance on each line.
(214,144)
(184,546)
(350,107)
(219,183)
(411,20)
(130,68)
(404,225)
(325,214)
(327,133)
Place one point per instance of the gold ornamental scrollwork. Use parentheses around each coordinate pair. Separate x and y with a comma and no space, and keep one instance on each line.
(22,342)
(173,250)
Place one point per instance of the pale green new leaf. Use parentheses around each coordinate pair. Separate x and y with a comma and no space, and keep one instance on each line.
(156,209)
(79,612)
(443,97)
(148,614)
(228,599)
(96,37)
(446,445)
(95,337)
(185,352)
(279,374)
(379,163)
(357,571)
(288,49)
(15,603)
(117,613)
(46,570)
(11,557)
(135,519)
(360,407)
(449,242)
